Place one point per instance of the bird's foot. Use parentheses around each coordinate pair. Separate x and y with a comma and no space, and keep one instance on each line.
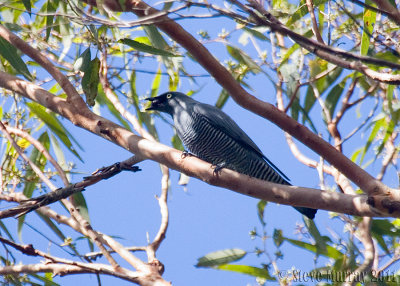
(218,167)
(185,154)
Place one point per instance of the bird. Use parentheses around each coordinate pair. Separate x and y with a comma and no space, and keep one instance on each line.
(211,135)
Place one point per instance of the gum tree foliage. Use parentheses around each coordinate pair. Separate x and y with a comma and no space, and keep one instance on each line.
(349,98)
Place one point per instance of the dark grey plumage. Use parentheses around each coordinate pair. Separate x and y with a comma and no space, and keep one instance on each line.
(214,137)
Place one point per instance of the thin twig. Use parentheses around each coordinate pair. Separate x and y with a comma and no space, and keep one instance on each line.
(315,29)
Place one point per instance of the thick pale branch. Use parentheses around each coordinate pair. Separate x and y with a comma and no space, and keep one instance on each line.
(354,205)
(41,59)
(351,170)
(62,270)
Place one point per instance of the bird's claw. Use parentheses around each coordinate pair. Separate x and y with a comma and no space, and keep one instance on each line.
(185,154)
(218,167)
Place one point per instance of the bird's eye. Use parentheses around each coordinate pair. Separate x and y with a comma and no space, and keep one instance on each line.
(169,95)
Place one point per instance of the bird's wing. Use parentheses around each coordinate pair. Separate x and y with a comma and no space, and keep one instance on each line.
(223,122)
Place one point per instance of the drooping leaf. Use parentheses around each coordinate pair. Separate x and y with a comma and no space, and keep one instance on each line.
(369,19)
(220,257)
(102,99)
(90,81)
(329,252)
(51,7)
(378,125)
(144,117)
(243,58)
(176,142)
(333,97)
(249,270)
(80,203)
(57,231)
(9,52)
(320,241)
(147,49)
(40,161)
(294,47)
(302,10)
(27,4)
(55,125)
(260,210)
(47,279)
(82,63)
(254,32)
(6,231)
(278,237)
(155,86)
(222,99)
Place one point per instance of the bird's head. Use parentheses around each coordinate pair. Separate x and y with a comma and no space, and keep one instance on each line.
(167,102)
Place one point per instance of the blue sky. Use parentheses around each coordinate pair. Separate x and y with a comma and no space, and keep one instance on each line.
(203,218)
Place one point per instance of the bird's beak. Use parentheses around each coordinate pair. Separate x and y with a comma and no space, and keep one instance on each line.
(153,104)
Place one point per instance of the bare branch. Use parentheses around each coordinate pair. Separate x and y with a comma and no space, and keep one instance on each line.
(317,34)
(63,193)
(41,59)
(364,235)
(199,169)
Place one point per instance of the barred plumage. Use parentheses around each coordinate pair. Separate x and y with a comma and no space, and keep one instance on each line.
(214,137)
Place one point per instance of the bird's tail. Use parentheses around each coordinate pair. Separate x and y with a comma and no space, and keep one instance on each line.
(310,213)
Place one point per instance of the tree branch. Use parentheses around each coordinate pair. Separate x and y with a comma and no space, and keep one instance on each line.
(365,181)
(355,205)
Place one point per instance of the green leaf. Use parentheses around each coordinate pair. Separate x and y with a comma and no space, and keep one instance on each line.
(222,99)
(379,124)
(155,86)
(329,252)
(249,270)
(294,47)
(260,211)
(314,232)
(220,257)
(278,237)
(51,8)
(384,227)
(333,97)
(176,142)
(57,231)
(4,228)
(302,10)
(256,34)
(102,99)
(155,37)
(39,160)
(27,4)
(243,58)
(80,203)
(90,81)
(83,62)
(55,125)
(144,117)
(9,52)
(369,19)
(147,49)
(47,279)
